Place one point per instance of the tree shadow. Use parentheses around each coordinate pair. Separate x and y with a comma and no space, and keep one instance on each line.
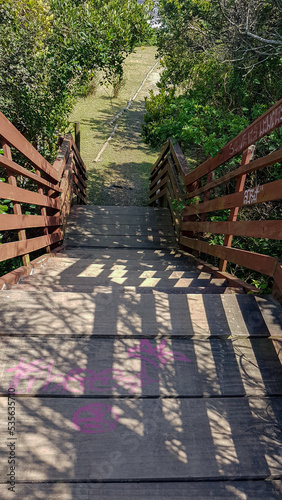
(124,394)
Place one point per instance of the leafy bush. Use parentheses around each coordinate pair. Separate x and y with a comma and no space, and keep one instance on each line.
(50,49)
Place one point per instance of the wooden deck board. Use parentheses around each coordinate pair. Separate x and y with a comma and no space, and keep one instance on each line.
(149,439)
(120,229)
(217,490)
(151,241)
(114,311)
(214,367)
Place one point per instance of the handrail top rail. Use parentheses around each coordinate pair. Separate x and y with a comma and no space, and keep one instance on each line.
(14,138)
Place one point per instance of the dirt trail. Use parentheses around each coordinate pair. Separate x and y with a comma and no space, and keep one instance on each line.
(119,176)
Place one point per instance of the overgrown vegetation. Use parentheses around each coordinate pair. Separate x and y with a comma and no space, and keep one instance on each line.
(50,50)
(222,69)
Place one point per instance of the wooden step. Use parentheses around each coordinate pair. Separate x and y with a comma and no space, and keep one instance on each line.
(119,210)
(140,242)
(88,229)
(65,263)
(86,288)
(269,489)
(169,439)
(150,279)
(143,368)
(124,254)
(110,312)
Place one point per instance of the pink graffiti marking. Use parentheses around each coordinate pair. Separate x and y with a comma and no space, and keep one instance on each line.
(79,380)
(134,382)
(100,418)
(27,370)
(85,379)
(144,349)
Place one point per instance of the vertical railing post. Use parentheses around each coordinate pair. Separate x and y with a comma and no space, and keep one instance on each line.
(16,206)
(43,210)
(240,184)
(191,218)
(77,135)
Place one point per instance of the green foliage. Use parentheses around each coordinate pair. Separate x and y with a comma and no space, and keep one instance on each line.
(216,78)
(189,123)
(50,49)
(179,205)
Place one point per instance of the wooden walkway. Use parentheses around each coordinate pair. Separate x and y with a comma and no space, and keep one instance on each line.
(137,375)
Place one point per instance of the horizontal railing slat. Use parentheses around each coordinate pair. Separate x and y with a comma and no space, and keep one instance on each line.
(268,192)
(161,183)
(158,195)
(17,248)
(17,169)
(271,229)
(10,221)
(258,164)
(258,262)
(18,141)
(21,195)
(163,152)
(161,174)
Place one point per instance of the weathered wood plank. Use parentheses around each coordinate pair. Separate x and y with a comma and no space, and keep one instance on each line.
(161,172)
(140,490)
(149,439)
(89,221)
(258,164)
(116,311)
(24,196)
(10,221)
(256,229)
(105,367)
(81,264)
(158,195)
(264,264)
(158,186)
(121,255)
(120,230)
(265,192)
(89,279)
(16,248)
(17,169)
(180,160)
(121,210)
(79,240)
(17,140)
(164,150)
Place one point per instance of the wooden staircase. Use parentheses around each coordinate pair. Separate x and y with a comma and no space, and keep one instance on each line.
(138,375)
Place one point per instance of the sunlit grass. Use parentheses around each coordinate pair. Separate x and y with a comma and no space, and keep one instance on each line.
(127,160)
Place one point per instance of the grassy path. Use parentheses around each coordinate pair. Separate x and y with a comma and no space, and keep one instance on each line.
(120,176)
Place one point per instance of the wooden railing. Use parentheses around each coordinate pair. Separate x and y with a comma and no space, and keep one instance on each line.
(171,179)
(41,195)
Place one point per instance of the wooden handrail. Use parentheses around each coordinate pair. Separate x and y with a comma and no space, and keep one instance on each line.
(171,181)
(50,188)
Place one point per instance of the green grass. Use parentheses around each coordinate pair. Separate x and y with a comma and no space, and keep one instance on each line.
(127,160)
